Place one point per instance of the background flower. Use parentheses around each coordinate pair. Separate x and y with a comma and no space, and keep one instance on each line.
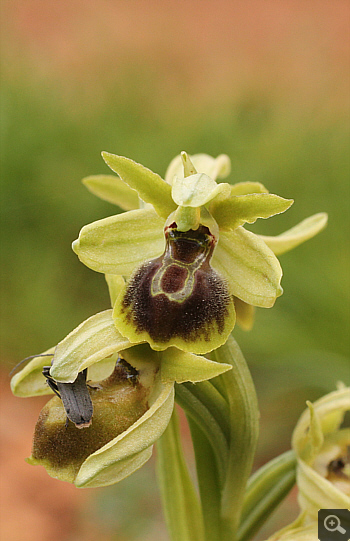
(321,445)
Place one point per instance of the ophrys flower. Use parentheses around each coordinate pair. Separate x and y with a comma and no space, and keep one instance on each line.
(186,253)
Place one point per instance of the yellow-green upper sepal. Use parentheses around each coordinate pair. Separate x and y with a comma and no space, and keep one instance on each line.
(112,189)
(118,244)
(237,210)
(249,266)
(150,186)
(92,341)
(298,234)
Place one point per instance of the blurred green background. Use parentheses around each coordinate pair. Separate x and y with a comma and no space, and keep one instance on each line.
(266,83)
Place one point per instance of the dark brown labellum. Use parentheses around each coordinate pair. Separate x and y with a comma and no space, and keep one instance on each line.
(179,294)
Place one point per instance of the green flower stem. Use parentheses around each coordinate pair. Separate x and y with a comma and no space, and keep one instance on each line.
(223,418)
(244,429)
(201,413)
(265,490)
(209,395)
(208,482)
(181,506)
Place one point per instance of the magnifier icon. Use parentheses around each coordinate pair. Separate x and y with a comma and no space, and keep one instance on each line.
(332,524)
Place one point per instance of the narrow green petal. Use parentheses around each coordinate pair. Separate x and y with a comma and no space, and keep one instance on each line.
(245,188)
(94,340)
(150,186)
(127,452)
(250,267)
(197,190)
(118,244)
(30,380)
(213,167)
(237,210)
(180,366)
(305,230)
(112,189)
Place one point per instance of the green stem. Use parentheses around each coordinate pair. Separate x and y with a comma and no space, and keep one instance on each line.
(265,490)
(181,506)
(209,487)
(200,411)
(244,428)
(207,394)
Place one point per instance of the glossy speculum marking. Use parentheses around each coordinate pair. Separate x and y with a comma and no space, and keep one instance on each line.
(179,294)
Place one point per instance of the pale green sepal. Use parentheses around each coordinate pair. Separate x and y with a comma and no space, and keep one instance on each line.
(250,267)
(245,188)
(181,366)
(219,167)
(121,456)
(30,380)
(181,506)
(237,210)
(150,186)
(115,285)
(197,190)
(112,189)
(119,244)
(305,230)
(94,340)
